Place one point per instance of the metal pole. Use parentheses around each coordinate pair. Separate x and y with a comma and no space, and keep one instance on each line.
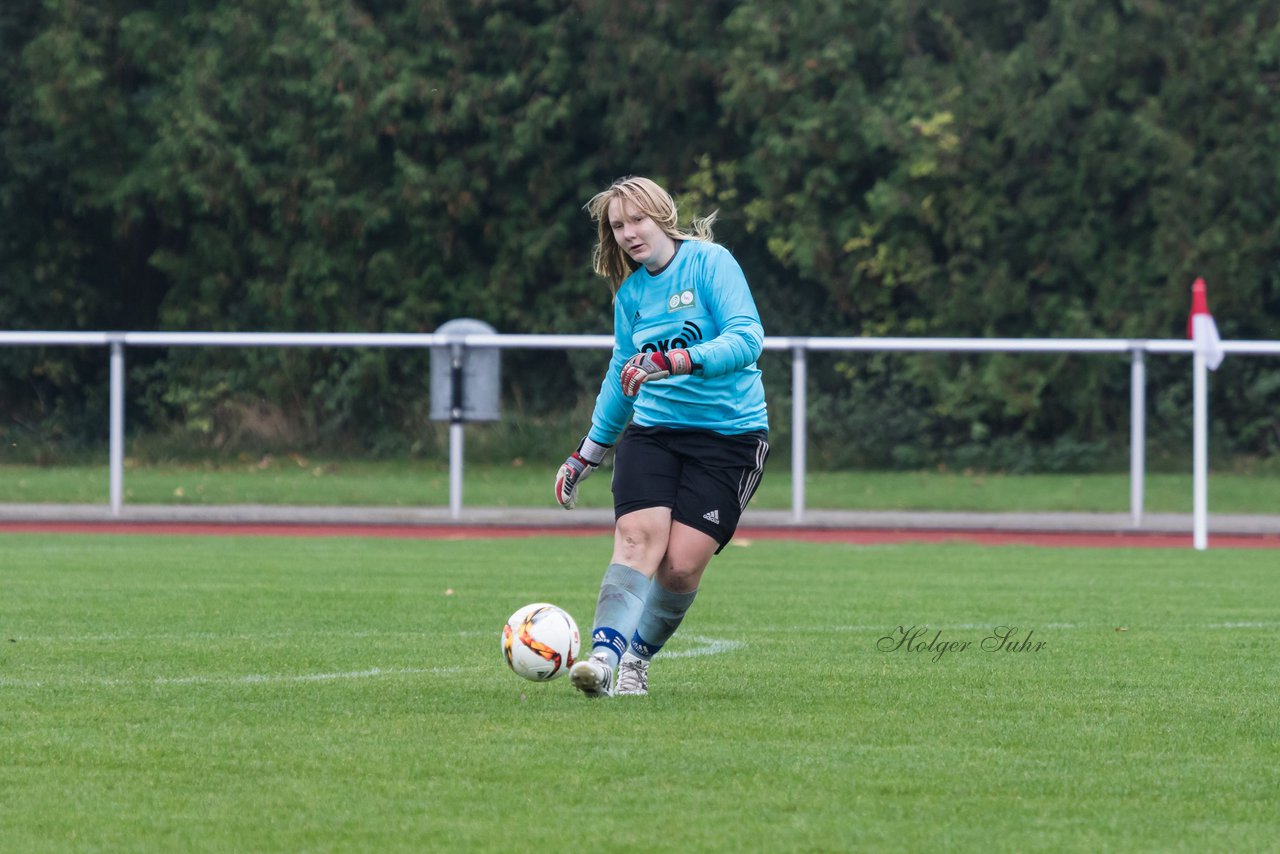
(799,403)
(116,441)
(1200,454)
(455,470)
(1137,434)
(455,433)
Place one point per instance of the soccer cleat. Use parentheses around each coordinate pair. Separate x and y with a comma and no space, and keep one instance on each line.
(633,677)
(592,676)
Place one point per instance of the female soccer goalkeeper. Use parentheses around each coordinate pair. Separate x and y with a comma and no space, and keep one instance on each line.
(686,339)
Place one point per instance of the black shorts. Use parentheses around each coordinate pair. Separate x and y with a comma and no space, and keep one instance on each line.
(705,478)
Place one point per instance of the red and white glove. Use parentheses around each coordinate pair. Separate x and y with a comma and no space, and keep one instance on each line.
(643,367)
(577,468)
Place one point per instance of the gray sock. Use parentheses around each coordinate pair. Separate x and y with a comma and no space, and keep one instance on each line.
(663,611)
(622,598)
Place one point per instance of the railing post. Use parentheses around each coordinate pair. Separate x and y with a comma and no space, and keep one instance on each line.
(456,431)
(115,450)
(1199,452)
(1137,434)
(799,405)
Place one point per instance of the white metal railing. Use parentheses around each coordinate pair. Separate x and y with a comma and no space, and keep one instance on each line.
(799,347)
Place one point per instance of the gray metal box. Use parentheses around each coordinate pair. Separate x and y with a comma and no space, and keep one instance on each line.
(477,370)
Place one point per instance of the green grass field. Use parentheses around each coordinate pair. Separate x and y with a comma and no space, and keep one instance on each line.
(277,694)
(299,481)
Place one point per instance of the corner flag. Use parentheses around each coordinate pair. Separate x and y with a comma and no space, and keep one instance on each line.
(1202,329)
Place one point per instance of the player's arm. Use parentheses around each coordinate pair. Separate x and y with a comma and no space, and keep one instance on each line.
(610,416)
(645,367)
(723,288)
(613,407)
(741,338)
(577,468)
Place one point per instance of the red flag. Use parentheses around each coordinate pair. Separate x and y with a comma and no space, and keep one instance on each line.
(1202,329)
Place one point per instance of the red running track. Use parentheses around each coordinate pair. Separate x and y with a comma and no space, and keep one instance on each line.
(1055,539)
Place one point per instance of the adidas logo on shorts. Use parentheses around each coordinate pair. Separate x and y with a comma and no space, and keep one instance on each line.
(713,517)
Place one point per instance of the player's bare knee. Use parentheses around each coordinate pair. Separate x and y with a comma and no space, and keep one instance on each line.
(630,554)
(639,546)
(637,533)
(680,576)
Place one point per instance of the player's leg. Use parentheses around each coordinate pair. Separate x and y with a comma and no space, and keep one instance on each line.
(688,553)
(674,588)
(672,592)
(645,479)
(720,475)
(640,539)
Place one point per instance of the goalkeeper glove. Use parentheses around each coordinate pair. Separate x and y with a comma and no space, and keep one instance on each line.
(643,367)
(577,468)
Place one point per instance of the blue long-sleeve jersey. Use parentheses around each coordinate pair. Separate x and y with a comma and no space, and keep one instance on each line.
(700,302)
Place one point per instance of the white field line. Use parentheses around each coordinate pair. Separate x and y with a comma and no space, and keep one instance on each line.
(702,646)
(192,637)
(1024,624)
(705,646)
(251,679)
(300,677)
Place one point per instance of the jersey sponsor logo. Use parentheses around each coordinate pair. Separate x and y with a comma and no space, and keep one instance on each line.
(712,516)
(690,333)
(684,299)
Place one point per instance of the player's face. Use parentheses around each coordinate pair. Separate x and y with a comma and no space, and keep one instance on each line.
(639,236)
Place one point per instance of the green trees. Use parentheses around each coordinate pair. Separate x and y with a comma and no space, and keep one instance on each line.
(1016,169)
(1061,169)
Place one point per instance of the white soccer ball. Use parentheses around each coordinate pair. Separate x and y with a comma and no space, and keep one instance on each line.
(540,642)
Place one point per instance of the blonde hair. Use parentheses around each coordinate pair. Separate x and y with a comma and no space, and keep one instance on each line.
(611,260)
